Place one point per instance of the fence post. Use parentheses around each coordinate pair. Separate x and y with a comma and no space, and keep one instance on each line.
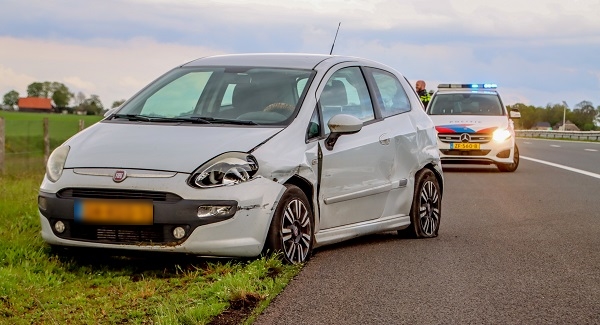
(46,141)
(81,125)
(2,142)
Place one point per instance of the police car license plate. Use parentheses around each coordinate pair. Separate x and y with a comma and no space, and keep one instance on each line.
(114,212)
(464,146)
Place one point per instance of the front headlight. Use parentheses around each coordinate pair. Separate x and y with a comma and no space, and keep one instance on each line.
(500,135)
(56,163)
(227,169)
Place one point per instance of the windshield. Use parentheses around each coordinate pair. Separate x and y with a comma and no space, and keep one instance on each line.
(217,95)
(465,104)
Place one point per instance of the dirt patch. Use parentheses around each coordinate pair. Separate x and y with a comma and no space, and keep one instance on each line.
(238,311)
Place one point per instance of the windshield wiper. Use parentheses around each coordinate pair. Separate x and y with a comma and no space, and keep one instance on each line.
(181,119)
(191,119)
(227,121)
(132,117)
(143,118)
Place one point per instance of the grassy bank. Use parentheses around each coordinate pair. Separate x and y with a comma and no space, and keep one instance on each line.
(38,286)
(24,137)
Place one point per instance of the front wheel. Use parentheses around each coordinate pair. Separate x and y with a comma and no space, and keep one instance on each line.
(512,166)
(291,231)
(426,209)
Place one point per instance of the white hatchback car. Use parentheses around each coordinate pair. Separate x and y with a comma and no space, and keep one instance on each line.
(473,126)
(238,155)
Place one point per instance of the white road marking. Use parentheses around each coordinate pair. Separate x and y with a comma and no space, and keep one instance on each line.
(583,172)
(593,150)
(555,146)
(527,142)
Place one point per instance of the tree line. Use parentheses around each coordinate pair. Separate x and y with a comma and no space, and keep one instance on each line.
(583,115)
(61,97)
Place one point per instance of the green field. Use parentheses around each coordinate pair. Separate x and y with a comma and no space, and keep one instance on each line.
(39,286)
(62,126)
(24,132)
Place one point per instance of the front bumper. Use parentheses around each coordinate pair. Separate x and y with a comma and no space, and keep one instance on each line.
(488,153)
(239,233)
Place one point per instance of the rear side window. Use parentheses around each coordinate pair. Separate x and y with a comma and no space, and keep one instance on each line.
(390,94)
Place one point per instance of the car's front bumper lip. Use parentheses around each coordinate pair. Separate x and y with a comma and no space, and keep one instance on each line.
(487,154)
(240,234)
(166,217)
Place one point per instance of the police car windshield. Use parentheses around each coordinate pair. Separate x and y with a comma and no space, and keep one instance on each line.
(465,104)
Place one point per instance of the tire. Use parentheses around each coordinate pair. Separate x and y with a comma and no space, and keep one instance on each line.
(292,229)
(426,208)
(511,167)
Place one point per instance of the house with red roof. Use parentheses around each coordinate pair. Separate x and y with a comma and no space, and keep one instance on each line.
(35,104)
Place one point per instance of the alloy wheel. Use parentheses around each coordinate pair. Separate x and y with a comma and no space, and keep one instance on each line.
(296,230)
(429,208)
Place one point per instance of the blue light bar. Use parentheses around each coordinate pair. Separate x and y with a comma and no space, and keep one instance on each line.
(471,86)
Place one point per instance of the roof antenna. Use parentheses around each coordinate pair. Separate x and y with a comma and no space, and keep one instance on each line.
(336,32)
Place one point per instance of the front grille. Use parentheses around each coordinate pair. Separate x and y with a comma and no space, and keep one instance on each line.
(121,235)
(465,152)
(455,137)
(102,193)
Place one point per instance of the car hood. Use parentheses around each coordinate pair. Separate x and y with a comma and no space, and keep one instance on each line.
(468,123)
(180,148)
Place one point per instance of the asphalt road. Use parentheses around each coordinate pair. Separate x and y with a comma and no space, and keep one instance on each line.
(513,248)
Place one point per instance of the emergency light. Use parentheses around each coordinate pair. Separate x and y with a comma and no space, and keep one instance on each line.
(469,86)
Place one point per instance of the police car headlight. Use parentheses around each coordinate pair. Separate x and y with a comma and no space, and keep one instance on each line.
(227,169)
(56,163)
(500,135)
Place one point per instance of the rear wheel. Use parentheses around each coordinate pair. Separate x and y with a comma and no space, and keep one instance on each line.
(425,212)
(291,230)
(513,166)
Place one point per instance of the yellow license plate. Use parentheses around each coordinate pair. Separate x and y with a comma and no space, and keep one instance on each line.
(465,146)
(114,212)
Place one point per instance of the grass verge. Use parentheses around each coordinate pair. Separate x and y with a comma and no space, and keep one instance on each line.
(38,286)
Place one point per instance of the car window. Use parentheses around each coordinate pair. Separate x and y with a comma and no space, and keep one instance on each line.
(346,93)
(314,126)
(253,95)
(390,93)
(180,95)
(228,96)
(300,86)
(465,104)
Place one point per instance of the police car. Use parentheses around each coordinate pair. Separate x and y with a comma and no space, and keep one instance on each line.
(473,126)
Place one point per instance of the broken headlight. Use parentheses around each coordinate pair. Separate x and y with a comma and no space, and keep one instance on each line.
(227,169)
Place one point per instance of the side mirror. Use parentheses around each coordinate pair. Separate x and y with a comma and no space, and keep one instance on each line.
(339,125)
(514,113)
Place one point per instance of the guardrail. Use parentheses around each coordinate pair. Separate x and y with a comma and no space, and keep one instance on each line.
(552,134)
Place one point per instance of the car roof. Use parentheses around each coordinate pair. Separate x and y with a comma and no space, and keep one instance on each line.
(471,88)
(282,60)
(468,91)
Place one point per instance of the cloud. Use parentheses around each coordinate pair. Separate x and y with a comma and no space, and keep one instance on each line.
(78,83)
(111,69)
(544,50)
(11,80)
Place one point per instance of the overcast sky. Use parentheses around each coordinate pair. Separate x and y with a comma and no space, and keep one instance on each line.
(538,51)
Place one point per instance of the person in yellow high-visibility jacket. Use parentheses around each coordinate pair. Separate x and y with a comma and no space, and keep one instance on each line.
(422,92)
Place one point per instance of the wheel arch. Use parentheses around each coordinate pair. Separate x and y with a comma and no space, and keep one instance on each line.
(305,186)
(437,174)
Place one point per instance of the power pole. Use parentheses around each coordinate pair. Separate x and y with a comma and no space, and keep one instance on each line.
(564,114)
